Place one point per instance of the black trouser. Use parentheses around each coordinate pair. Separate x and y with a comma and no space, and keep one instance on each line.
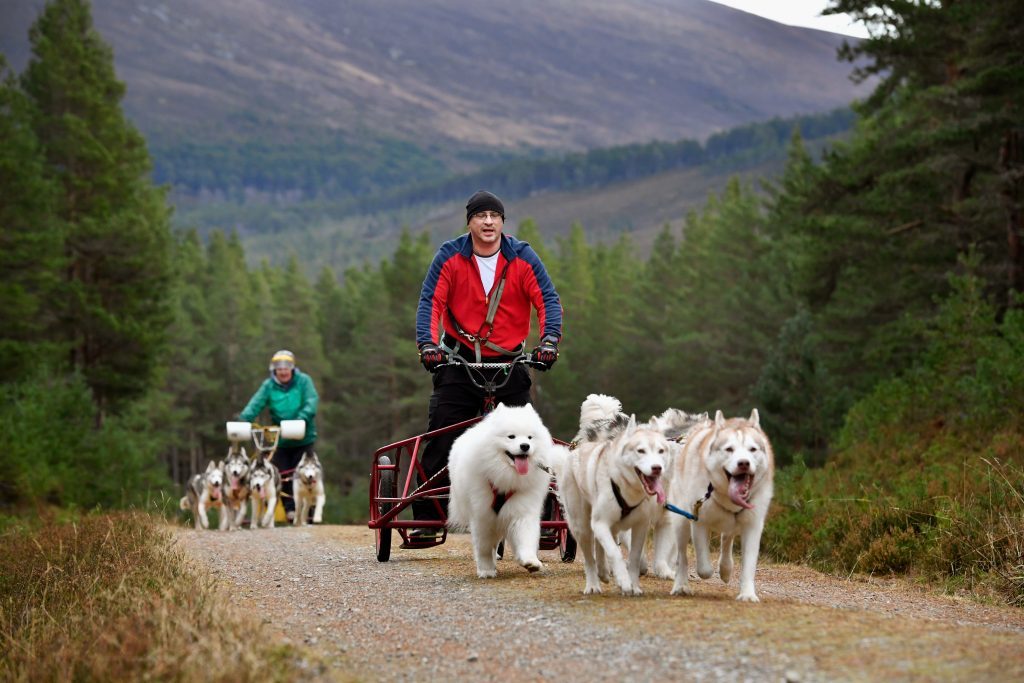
(455,399)
(287,458)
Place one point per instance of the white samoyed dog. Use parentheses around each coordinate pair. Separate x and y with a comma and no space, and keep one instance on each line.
(499,480)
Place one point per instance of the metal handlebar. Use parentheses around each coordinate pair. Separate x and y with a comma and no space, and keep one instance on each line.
(490,386)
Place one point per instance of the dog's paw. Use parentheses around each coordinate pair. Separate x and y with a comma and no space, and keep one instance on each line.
(748,597)
(533,566)
(318,520)
(592,590)
(685,589)
(487,573)
(664,571)
(631,590)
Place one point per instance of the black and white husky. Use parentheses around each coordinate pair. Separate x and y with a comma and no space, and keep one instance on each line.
(236,489)
(308,489)
(203,491)
(264,486)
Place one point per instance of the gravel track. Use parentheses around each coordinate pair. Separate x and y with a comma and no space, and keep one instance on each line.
(424,616)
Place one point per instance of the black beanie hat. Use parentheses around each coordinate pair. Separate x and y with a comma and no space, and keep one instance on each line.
(483,201)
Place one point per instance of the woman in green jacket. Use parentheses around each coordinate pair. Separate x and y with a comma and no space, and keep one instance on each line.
(290,395)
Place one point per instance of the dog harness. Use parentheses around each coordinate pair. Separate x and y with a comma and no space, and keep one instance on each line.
(623,505)
(499,499)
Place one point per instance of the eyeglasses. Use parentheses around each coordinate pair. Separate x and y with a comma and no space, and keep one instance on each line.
(484,215)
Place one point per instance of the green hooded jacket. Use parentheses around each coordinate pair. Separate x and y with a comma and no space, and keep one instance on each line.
(296,400)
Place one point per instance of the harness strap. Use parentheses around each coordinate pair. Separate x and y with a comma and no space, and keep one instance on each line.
(623,505)
(499,499)
(480,338)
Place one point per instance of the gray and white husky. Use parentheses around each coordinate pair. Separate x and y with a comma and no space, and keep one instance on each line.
(676,425)
(264,486)
(730,464)
(602,419)
(236,489)
(308,489)
(203,491)
(609,485)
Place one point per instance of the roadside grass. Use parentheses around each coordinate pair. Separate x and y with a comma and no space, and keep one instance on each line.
(928,475)
(109,597)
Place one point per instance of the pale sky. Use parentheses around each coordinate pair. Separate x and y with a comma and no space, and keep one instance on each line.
(799,13)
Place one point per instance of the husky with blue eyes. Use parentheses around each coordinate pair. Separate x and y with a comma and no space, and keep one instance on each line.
(728,465)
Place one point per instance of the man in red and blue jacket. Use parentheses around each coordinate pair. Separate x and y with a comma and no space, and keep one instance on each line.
(476,302)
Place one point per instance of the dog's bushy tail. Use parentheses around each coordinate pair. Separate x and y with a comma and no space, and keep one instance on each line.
(674,423)
(457,519)
(598,408)
(184,503)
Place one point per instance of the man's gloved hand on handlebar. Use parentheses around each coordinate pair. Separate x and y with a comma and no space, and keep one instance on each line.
(545,355)
(432,356)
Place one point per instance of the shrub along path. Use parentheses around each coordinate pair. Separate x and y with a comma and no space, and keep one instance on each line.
(424,615)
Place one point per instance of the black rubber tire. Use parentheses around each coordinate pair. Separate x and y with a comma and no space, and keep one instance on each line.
(386,489)
(567,546)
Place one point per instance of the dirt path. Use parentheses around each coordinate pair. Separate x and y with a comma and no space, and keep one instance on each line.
(425,616)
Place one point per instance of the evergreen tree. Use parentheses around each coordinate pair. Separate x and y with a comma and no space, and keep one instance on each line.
(236,307)
(731,309)
(648,351)
(191,388)
(30,239)
(117,242)
(613,363)
(296,320)
(407,386)
(945,160)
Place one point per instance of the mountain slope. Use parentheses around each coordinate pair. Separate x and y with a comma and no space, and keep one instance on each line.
(552,74)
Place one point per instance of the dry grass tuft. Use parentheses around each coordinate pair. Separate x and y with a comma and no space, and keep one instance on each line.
(110,597)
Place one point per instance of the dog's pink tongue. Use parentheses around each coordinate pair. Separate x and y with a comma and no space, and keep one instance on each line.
(659,492)
(522,465)
(739,489)
(216,494)
(654,487)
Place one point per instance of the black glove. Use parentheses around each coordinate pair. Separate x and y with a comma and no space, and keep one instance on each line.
(545,355)
(432,357)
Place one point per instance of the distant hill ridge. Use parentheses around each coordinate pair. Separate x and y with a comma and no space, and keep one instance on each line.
(632,188)
(456,76)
